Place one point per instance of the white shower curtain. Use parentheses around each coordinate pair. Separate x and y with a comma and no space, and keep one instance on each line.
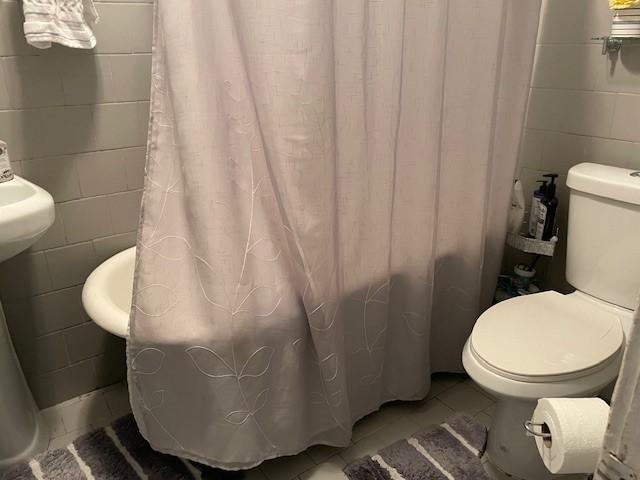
(323,215)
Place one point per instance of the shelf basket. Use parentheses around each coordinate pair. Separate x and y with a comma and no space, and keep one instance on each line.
(531,245)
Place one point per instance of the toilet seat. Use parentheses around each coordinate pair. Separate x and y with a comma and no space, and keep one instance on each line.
(546,337)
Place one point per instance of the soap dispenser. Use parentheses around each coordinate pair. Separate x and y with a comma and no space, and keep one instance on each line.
(547,209)
(535,202)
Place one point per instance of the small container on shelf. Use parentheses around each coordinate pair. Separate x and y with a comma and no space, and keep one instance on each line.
(523,276)
(626,22)
(522,283)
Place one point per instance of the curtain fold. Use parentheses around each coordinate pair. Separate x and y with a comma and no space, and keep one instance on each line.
(620,454)
(324,211)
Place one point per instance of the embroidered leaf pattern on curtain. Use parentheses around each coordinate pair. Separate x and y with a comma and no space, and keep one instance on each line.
(323,214)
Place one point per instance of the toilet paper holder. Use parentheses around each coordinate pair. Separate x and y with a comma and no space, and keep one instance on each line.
(530,427)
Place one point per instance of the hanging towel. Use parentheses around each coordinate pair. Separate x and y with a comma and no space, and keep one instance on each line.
(622,4)
(67,22)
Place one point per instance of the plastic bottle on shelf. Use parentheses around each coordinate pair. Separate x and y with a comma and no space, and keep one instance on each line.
(547,210)
(538,195)
(6,173)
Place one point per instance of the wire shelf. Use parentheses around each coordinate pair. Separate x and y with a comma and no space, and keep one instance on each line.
(531,245)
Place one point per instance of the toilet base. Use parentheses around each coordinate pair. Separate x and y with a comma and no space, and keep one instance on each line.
(510,449)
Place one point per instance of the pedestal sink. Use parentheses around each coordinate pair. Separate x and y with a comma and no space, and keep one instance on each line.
(26,212)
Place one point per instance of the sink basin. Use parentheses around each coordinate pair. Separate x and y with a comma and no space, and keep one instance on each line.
(26,212)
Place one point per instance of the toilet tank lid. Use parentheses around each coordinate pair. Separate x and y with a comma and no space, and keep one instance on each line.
(605,181)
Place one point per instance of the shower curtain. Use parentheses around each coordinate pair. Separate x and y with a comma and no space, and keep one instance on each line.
(324,211)
(621,450)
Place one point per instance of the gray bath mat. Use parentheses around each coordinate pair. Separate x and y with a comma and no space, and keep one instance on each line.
(116,452)
(450,451)
(119,452)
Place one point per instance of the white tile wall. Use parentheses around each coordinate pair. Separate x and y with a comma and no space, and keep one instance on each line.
(583,107)
(75,122)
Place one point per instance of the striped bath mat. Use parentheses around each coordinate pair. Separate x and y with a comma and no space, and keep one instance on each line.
(116,452)
(450,451)
(119,452)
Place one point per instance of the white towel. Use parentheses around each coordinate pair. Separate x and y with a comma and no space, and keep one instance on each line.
(67,22)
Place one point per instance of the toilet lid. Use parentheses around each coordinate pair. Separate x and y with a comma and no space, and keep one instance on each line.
(546,335)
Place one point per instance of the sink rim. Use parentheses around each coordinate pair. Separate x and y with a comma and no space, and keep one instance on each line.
(27,218)
(19,186)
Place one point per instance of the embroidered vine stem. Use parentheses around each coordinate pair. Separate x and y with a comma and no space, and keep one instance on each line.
(236,306)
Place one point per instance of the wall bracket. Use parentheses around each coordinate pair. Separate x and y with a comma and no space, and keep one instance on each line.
(609,44)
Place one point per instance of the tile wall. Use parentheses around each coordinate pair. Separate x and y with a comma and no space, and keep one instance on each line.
(583,107)
(75,122)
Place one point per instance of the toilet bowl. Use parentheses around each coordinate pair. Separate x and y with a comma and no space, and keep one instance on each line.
(540,346)
(550,345)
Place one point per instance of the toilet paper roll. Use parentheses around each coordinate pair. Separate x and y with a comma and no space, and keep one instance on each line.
(577,427)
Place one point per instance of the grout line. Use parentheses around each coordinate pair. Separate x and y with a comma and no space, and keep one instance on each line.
(103,393)
(585,90)
(563,132)
(57,55)
(73,55)
(72,364)
(99,394)
(63,330)
(582,135)
(72,106)
(84,152)
(588,43)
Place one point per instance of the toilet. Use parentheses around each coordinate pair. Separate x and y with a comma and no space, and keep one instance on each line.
(554,345)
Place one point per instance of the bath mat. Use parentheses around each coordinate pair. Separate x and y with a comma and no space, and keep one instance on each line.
(449,451)
(116,452)
(119,452)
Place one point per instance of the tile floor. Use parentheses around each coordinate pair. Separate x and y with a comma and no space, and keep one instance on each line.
(68,420)
(396,420)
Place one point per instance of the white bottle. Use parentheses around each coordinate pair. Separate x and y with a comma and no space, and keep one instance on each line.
(6,173)
(516,213)
(541,220)
(534,213)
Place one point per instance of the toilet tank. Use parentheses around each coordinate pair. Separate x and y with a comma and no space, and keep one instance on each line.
(603,237)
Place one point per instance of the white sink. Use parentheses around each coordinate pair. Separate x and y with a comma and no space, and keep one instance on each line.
(26,212)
